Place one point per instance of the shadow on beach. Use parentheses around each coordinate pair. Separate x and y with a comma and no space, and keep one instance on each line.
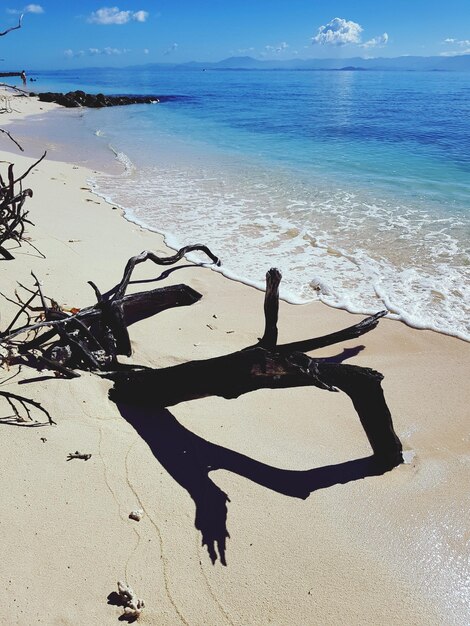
(189,459)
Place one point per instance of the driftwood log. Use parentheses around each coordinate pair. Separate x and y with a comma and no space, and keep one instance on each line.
(67,341)
(273,366)
(92,338)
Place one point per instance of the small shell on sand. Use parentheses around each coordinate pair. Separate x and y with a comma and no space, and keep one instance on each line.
(136,515)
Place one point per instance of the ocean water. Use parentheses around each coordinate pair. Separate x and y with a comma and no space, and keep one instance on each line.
(355,184)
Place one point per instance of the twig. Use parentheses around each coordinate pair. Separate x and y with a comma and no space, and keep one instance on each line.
(24,401)
(34,247)
(22,91)
(22,310)
(2,130)
(30,168)
(170,260)
(78,455)
(27,329)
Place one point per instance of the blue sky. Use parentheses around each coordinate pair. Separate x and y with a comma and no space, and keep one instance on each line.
(73,33)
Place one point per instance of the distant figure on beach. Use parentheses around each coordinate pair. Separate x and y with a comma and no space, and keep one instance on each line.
(23,77)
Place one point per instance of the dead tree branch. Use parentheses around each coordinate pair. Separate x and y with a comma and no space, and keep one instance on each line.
(92,338)
(5,132)
(268,366)
(9,30)
(17,180)
(13,215)
(171,260)
(25,404)
(23,92)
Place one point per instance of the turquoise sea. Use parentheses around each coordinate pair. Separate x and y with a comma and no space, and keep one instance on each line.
(355,184)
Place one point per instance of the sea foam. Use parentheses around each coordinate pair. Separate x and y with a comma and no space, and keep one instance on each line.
(346,248)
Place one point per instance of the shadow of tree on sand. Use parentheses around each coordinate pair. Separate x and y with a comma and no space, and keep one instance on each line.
(189,459)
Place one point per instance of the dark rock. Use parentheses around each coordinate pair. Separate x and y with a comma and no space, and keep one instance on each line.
(81,99)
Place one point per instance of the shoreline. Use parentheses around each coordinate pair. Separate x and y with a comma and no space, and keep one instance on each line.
(66,535)
(395,313)
(169,242)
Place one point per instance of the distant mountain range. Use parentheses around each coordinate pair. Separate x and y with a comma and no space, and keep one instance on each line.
(460,63)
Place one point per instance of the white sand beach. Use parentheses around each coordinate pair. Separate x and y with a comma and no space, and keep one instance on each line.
(391,549)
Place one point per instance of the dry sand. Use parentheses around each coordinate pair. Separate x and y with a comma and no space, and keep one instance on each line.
(392,549)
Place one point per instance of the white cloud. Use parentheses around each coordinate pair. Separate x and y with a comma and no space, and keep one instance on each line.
(140,16)
(71,53)
(379,41)
(93,52)
(281,47)
(464,45)
(146,51)
(172,48)
(29,8)
(33,8)
(112,15)
(338,32)
(112,51)
(109,16)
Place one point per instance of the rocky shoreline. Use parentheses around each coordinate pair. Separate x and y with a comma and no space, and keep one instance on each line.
(74,99)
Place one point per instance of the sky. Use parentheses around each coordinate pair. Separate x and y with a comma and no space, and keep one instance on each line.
(79,33)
